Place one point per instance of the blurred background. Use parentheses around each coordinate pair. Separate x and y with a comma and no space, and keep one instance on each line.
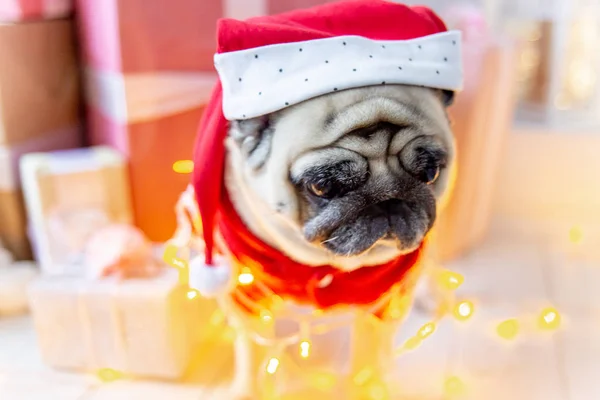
(99,105)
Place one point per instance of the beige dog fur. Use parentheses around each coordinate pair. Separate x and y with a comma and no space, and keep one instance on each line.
(256,193)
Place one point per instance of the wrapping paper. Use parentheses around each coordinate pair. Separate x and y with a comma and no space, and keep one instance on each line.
(13,232)
(145,327)
(13,287)
(69,195)
(27,10)
(149,73)
(39,80)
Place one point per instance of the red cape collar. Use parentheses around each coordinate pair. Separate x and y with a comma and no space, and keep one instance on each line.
(321,286)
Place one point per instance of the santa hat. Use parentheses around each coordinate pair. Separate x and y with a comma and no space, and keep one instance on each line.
(269,63)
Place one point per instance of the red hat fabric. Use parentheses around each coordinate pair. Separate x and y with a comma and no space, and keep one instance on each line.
(307,53)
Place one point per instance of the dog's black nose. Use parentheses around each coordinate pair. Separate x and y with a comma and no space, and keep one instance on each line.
(392,206)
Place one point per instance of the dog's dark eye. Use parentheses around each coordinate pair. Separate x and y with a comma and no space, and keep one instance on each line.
(424,160)
(430,174)
(324,191)
(428,164)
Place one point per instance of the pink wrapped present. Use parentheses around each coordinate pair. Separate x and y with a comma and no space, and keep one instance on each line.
(149,72)
(142,327)
(26,10)
(148,75)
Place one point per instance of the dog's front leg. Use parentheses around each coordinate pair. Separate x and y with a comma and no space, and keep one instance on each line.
(372,354)
(248,355)
(244,384)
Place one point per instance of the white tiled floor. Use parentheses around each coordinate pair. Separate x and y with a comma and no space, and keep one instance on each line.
(511,275)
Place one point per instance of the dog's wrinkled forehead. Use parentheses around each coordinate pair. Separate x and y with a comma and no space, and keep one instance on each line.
(366,123)
(324,120)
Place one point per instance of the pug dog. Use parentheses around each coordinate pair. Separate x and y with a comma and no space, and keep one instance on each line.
(351,179)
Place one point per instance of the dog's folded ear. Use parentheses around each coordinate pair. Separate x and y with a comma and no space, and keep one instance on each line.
(447,97)
(253,136)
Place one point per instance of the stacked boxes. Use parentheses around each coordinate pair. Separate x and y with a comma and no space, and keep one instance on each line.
(39,109)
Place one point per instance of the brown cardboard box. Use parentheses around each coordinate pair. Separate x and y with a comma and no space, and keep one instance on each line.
(39,79)
(12,224)
(39,109)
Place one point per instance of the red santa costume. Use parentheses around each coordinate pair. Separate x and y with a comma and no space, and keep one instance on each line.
(268,63)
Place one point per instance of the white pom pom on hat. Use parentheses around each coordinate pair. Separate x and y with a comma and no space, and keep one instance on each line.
(210,280)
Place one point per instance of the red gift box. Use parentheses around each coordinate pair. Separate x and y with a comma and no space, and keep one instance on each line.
(148,75)
(149,71)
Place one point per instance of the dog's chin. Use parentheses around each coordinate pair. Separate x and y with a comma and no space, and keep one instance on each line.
(387,244)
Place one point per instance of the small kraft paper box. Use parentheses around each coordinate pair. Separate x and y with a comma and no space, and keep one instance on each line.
(140,327)
(31,10)
(13,221)
(69,195)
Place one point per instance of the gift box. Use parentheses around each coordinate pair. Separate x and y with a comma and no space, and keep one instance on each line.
(39,80)
(13,221)
(149,71)
(27,10)
(148,76)
(39,109)
(141,327)
(69,195)
(14,279)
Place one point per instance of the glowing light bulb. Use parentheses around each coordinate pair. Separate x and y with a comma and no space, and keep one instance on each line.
(454,386)
(451,280)
(399,307)
(463,311)
(575,235)
(246,277)
(323,381)
(192,294)
(170,257)
(107,375)
(272,365)
(378,391)
(277,302)
(508,329)
(363,376)
(412,343)
(305,349)
(549,319)
(183,166)
(427,330)
(217,318)
(266,317)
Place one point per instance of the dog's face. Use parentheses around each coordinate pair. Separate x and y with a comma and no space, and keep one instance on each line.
(353,175)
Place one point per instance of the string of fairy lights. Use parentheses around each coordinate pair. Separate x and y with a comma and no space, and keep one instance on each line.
(462,311)
(177,256)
